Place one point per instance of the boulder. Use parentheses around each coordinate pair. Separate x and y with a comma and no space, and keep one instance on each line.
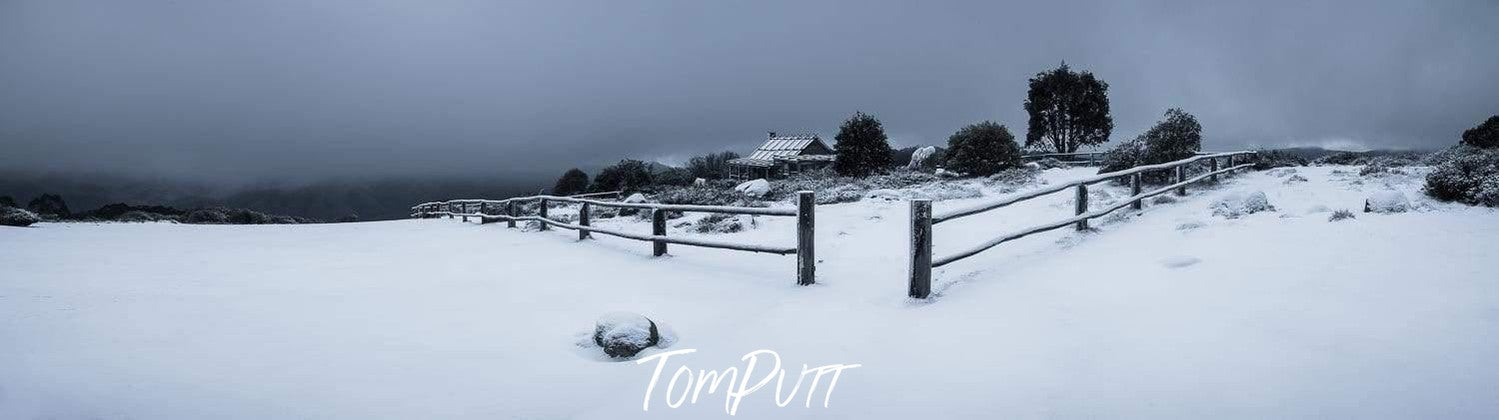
(1387,201)
(922,158)
(635,198)
(698,182)
(755,188)
(624,334)
(1236,205)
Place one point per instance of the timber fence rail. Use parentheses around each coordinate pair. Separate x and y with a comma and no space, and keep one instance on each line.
(922,219)
(509,211)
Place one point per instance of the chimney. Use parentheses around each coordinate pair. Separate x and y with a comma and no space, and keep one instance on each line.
(770,135)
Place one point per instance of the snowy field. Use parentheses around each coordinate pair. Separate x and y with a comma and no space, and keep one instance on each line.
(1169,313)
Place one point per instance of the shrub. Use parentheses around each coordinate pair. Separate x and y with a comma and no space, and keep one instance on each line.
(6,201)
(1067,110)
(862,147)
(1484,136)
(711,166)
(627,175)
(1177,137)
(709,195)
(1236,205)
(1343,214)
(1471,177)
(982,149)
(573,181)
(673,177)
(11,216)
(1271,159)
(137,216)
(718,223)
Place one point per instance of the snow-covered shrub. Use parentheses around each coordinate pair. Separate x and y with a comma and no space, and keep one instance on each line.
(1051,163)
(1236,205)
(1016,177)
(1470,176)
(753,188)
(833,189)
(1269,159)
(982,149)
(1163,199)
(924,159)
(720,223)
(1294,179)
(1485,135)
(1281,172)
(1386,201)
(1192,225)
(1343,214)
(1177,137)
(623,334)
(1382,165)
(11,216)
(707,195)
(137,216)
(221,215)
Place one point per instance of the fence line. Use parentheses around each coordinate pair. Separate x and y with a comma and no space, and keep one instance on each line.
(922,219)
(806,262)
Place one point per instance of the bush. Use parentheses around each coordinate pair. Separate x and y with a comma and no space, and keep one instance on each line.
(715,194)
(11,216)
(1177,137)
(711,166)
(573,181)
(49,205)
(1067,110)
(627,175)
(1271,159)
(862,147)
(1236,205)
(982,149)
(1343,214)
(1484,136)
(1471,177)
(137,216)
(6,201)
(673,177)
(718,223)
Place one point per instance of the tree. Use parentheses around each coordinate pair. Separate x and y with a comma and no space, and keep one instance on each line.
(1067,110)
(673,176)
(49,205)
(627,175)
(982,149)
(6,201)
(712,165)
(861,146)
(1484,136)
(571,182)
(1177,137)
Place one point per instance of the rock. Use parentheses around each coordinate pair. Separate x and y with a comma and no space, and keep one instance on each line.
(947,174)
(755,188)
(624,334)
(698,182)
(1387,201)
(922,157)
(635,198)
(1236,205)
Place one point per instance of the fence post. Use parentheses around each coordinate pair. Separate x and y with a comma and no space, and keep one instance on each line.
(806,256)
(1134,188)
(921,249)
(583,221)
(1081,206)
(658,228)
(1213,167)
(543,210)
(1181,175)
(464,211)
(510,211)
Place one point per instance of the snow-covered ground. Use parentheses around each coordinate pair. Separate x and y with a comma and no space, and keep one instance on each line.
(1170,313)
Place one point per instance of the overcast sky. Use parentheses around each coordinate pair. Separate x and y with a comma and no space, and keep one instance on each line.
(238,91)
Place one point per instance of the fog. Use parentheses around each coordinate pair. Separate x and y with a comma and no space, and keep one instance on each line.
(238,93)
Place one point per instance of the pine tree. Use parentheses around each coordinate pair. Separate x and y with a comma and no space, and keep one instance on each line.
(982,149)
(861,146)
(573,181)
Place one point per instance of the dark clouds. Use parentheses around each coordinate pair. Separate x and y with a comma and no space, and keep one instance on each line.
(241,91)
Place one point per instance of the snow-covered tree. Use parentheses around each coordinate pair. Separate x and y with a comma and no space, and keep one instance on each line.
(982,149)
(861,146)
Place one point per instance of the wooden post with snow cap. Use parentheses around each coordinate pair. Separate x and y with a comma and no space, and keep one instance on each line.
(543,210)
(1081,206)
(1134,190)
(658,228)
(464,211)
(921,249)
(583,221)
(806,256)
(1181,175)
(1213,167)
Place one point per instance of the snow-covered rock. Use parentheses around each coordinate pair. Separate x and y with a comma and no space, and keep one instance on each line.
(1386,201)
(635,198)
(1239,204)
(755,188)
(624,334)
(947,174)
(698,182)
(921,158)
(1294,179)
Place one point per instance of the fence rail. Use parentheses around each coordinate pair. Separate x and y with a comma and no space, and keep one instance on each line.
(506,210)
(922,218)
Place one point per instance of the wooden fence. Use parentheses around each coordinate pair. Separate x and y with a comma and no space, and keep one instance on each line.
(922,219)
(507,210)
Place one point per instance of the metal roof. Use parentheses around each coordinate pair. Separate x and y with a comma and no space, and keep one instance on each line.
(778,147)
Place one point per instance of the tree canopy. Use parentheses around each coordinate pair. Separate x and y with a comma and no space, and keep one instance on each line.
(861,146)
(1067,110)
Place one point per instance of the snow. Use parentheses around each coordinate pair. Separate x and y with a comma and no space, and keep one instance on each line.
(1386,201)
(920,157)
(1386,316)
(1236,205)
